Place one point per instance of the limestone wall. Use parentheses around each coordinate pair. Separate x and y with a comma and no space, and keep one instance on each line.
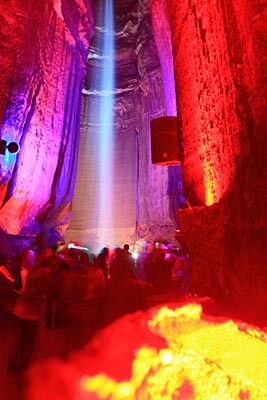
(43,51)
(220,68)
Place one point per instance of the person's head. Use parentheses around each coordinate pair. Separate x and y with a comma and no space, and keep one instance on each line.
(104,252)
(148,247)
(79,256)
(126,247)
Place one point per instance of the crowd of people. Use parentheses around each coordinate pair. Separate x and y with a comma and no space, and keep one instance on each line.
(75,293)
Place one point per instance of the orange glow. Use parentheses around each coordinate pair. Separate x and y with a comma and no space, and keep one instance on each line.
(212,191)
(202,360)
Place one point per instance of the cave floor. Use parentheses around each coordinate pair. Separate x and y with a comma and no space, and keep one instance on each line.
(47,341)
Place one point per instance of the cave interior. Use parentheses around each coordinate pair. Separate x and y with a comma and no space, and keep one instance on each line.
(202,62)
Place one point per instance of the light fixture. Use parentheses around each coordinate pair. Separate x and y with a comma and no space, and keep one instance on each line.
(12,147)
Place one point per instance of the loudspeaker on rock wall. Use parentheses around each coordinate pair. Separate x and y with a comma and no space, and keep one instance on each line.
(165,141)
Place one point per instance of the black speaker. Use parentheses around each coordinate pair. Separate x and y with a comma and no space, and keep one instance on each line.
(165,141)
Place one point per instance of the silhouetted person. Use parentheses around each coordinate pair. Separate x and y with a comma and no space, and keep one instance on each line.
(180,273)
(124,293)
(126,247)
(57,265)
(139,268)
(158,271)
(28,311)
(102,261)
(78,298)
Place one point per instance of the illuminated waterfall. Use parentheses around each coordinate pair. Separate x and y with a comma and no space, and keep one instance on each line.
(105,137)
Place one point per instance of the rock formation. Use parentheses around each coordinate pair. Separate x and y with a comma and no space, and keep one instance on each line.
(220,68)
(44,46)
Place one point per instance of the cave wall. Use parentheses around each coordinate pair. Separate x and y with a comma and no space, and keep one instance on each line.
(220,69)
(44,46)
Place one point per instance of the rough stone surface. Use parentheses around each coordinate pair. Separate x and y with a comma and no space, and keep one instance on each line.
(44,45)
(220,68)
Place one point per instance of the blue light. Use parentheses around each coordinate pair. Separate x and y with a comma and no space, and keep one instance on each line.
(106,127)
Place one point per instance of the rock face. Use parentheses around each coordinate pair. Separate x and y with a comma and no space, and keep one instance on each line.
(44,46)
(220,68)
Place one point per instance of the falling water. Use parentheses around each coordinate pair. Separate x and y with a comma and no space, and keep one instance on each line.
(105,137)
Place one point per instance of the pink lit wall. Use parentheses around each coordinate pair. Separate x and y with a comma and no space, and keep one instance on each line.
(44,49)
(161,26)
